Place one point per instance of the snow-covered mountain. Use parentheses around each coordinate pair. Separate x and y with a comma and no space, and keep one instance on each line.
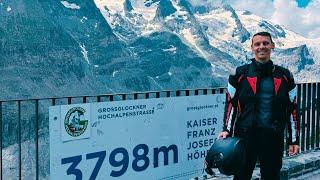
(105,46)
(220,34)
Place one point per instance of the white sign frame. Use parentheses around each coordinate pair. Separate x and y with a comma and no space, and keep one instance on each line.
(161,138)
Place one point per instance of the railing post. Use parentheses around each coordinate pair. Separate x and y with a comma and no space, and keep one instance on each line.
(53,101)
(308,116)
(1,139)
(205,91)
(299,109)
(168,94)
(222,90)
(303,119)
(187,92)
(177,93)
(196,92)
(318,115)
(213,91)
(313,114)
(37,138)
(19,137)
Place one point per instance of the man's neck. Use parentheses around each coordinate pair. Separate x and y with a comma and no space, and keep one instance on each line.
(262,61)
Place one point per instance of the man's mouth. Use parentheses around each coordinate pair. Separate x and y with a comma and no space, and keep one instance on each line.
(262,52)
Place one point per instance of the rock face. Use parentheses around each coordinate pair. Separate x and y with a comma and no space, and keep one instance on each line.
(45,49)
(68,48)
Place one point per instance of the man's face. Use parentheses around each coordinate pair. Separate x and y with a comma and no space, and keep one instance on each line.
(261,47)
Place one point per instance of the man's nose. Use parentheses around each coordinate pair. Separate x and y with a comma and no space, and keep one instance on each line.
(261,45)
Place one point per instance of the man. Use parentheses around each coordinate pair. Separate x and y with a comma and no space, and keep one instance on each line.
(261,101)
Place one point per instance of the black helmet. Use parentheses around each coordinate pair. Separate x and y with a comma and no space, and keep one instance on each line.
(228,155)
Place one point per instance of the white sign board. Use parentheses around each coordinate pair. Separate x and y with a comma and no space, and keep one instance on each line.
(163,138)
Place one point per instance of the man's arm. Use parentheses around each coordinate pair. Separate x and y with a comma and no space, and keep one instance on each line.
(231,104)
(230,109)
(293,124)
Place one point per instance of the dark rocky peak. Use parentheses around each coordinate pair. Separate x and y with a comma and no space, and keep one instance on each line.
(165,8)
(127,6)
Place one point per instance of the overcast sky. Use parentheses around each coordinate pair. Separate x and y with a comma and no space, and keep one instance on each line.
(302,16)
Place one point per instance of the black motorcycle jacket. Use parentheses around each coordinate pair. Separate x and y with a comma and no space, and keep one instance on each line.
(242,99)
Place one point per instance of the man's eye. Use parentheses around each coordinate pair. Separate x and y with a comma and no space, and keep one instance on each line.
(265,43)
(257,44)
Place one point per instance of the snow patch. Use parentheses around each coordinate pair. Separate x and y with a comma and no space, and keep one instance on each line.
(83,19)
(9,9)
(189,36)
(84,52)
(180,12)
(150,28)
(251,23)
(155,82)
(114,73)
(148,13)
(192,40)
(140,18)
(114,6)
(121,37)
(111,10)
(218,18)
(170,73)
(171,49)
(70,5)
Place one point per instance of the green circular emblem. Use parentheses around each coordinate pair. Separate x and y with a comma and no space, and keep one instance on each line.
(74,122)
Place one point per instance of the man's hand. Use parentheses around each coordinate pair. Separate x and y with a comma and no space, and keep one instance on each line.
(293,149)
(223,135)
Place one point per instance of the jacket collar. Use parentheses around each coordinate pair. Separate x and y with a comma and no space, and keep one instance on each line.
(263,69)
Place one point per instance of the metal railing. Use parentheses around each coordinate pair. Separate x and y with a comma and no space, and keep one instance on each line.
(24,128)
(24,125)
(308,99)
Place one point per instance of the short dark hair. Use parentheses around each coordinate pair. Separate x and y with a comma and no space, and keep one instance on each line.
(262,34)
